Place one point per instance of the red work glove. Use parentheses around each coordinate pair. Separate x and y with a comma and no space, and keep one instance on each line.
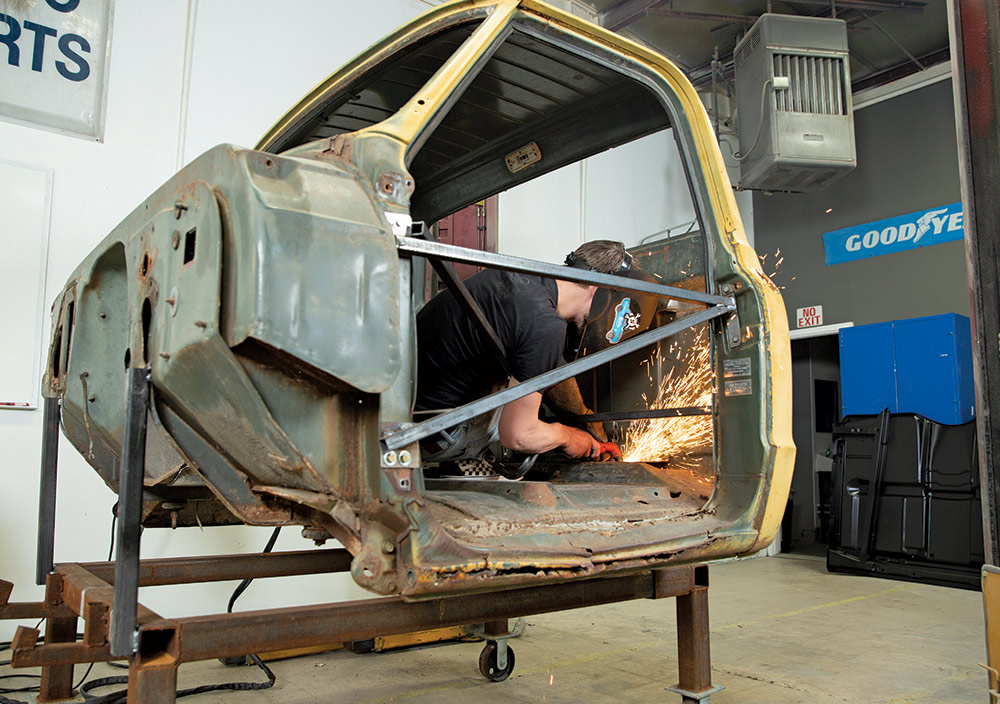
(611,449)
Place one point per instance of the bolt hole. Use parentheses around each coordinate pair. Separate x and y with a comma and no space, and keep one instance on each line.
(420,102)
(268,163)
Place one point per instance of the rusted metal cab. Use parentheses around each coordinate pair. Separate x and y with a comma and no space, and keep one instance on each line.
(270,292)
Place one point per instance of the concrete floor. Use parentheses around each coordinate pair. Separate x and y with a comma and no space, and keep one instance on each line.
(783,630)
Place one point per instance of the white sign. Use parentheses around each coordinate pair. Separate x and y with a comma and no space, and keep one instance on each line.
(25,198)
(809,316)
(54,64)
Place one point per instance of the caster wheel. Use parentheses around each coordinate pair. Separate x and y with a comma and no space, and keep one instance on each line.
(488,663)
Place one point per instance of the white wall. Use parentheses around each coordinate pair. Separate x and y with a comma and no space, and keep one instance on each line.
(249,60)
(633,193)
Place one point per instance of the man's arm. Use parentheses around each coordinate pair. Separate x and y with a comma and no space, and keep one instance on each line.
(522,431)
(565,396)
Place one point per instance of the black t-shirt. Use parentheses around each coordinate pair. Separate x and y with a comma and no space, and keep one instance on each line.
(455,362)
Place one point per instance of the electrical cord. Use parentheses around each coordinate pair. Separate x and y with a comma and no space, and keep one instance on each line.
(760,124)
(85,688)
(122,695)
(246,582)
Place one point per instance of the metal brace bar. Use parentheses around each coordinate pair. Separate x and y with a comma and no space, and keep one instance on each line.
(401,438)
(424,248)
(47,491)
(642,415)
(132,473)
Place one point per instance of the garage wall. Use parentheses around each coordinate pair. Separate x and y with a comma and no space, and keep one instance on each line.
(907,161)
(245,61)
(633,193)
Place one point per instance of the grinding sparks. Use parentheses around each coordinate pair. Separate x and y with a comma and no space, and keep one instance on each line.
(679,439)
(775,266)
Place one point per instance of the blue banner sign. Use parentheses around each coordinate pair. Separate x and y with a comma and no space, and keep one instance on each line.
(920,229)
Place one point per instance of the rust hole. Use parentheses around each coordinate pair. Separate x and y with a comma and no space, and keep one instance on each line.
(128,357)
(144,269)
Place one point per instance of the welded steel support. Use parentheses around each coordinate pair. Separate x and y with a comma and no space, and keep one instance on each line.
(163,644)
(152,683)
(694,662)
(47,491)
(131,474)
(57,680)
(975,44)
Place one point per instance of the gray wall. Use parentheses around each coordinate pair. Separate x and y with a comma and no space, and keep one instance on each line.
(907,161)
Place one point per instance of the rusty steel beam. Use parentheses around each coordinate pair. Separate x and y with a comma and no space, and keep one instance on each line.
(221,568)
(57,680)
(164,644)
(25,652)
(152,683)
(693,655)
(20,610)
(207,637)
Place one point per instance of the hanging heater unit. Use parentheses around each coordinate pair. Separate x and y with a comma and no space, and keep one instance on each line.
(793,94)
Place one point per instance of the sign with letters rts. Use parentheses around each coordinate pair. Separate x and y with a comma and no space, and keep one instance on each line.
(809,316)
(54,64)
(920,229)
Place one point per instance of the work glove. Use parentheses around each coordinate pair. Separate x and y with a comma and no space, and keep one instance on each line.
(610,451)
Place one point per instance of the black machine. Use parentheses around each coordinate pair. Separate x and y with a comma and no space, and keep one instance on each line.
(906,500)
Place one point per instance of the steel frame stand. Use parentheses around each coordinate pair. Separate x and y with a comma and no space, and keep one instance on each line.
(117,627)
(86,590)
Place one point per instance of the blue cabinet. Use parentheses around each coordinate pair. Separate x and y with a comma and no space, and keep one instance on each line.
(920,365)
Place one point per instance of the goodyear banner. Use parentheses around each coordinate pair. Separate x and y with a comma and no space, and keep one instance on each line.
(920,229)
(54,64)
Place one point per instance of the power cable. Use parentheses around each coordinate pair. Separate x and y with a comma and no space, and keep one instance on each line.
(85,688)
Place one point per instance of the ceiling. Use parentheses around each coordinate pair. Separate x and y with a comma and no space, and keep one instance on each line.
(888,39)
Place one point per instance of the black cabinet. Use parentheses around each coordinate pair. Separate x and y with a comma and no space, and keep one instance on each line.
(906,500)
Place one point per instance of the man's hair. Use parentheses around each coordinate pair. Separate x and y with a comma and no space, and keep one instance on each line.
(605,256)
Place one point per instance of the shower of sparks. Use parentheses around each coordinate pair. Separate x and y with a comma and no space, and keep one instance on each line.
(676,440)
(775,267)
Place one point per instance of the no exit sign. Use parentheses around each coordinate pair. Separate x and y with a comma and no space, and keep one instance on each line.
(809,316)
